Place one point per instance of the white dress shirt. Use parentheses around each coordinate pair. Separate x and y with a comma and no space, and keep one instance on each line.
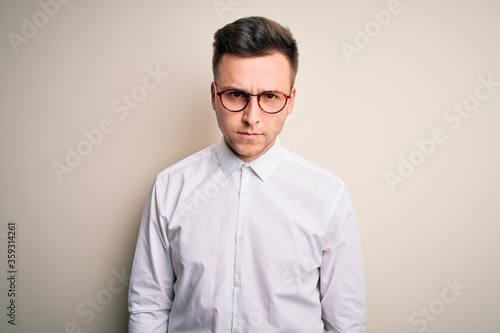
(266,246)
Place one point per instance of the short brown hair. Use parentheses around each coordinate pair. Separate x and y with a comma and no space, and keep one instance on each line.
(252,37)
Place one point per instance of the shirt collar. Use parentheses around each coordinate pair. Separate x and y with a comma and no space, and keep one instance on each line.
(263,166)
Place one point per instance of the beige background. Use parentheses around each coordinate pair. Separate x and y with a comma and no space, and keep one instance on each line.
(356,116)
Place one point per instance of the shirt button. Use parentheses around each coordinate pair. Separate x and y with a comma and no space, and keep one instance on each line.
(240,238)
(236,329)
(243,193)
(237,283)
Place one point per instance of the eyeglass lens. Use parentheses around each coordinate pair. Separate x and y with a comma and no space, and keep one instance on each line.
(269,101)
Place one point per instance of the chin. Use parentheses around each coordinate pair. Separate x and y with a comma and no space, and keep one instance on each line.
(247,151)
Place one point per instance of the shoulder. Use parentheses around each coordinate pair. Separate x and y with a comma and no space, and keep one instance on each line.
(191,163)
(312,180)
(300,165)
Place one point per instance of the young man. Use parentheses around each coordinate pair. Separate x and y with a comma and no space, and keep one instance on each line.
(245,236)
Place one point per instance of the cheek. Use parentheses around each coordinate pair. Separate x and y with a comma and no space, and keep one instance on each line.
(225,120)
(277,124)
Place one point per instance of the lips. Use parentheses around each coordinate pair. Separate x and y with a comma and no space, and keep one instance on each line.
(248,135)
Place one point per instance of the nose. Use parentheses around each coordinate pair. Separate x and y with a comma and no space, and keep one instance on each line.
(252,112)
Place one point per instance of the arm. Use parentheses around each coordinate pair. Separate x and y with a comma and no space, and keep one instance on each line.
(342,288)
(151,282)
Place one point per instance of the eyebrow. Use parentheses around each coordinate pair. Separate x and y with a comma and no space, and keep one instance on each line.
(246,91)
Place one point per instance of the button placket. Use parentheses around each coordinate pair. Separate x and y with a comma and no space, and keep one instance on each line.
(240,227)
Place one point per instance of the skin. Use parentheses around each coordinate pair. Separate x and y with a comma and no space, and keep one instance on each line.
(252,132)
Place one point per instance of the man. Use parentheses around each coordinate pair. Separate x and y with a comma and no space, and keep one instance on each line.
(245,236)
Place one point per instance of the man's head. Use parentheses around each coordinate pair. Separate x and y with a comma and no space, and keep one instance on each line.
(254,37)
(253,56)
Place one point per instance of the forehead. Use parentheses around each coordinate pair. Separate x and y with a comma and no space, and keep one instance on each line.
(264,72)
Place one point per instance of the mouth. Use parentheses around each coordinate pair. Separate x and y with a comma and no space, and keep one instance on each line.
(249,135)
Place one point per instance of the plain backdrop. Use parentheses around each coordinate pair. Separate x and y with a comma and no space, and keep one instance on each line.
(400,99)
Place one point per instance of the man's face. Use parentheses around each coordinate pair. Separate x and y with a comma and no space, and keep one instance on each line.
(251,132)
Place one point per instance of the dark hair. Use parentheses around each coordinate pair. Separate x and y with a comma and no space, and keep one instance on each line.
(252,37)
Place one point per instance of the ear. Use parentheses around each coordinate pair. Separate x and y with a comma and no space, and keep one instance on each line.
(212,94)
(291,101)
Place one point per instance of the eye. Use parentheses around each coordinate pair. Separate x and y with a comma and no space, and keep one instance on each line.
(236,94)
(269,95)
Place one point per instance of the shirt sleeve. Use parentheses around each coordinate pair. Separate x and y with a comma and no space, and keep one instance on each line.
(342,287)
(151,281)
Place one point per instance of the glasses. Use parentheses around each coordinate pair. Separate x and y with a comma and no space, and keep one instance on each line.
(235,100)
